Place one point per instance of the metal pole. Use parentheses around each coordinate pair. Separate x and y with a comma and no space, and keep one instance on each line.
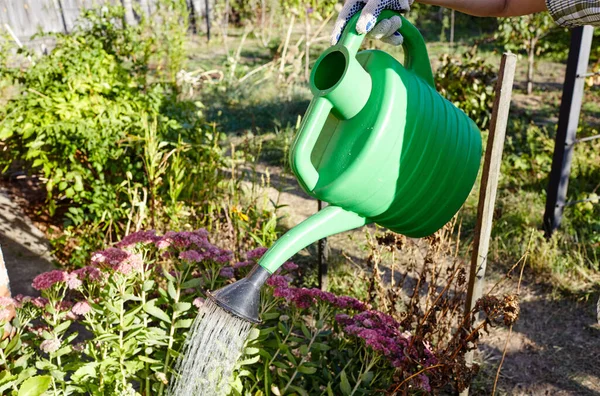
(323,255)
(207,16)
(568,121)
(489,185)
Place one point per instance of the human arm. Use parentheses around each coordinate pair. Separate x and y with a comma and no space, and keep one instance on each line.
(491,8)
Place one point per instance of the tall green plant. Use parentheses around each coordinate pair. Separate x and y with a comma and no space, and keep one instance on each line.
(526,34)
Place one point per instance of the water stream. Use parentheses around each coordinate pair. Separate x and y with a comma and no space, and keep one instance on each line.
(213,347)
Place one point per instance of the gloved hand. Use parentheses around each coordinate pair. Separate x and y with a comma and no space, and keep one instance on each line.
(385,30)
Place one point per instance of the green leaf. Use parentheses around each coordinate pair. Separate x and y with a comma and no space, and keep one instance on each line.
(307,370)
(304,350)
(300,391)
(192,283)
(251,360)
(367,377)
(182,306)
(148,285)
(61,328)
(172,291)
(153,310)
(344,384)
(183,323)
(254,334)
(251,351)
(35,386)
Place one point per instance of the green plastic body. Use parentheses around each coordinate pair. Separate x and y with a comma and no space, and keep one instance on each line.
(380,145)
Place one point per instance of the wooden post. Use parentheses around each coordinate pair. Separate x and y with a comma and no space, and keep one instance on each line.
(489,185)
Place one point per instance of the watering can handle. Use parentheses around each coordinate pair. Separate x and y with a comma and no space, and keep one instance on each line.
(416,57)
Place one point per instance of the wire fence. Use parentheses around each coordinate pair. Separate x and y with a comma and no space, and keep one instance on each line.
(24,18)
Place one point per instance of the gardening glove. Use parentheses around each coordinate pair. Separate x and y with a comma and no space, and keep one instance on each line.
(386,30)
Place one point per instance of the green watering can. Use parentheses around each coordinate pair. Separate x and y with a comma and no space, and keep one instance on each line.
(380,145)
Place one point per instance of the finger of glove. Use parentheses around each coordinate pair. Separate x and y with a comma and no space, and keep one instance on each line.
(395,39)
(369,15)
(380,30)
(350,8)
(371,11)
(395,24)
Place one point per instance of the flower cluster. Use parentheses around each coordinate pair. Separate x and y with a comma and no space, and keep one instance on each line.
(304,298)
(383,334)
(139,238)
(193,246)
(119,260)
(48,279)
(379,331)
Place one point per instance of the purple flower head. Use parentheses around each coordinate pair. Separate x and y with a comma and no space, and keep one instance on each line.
(381,333)
(183,239)
(39,302)
(81,308)
(48,279)
(89,273)
(345,302)
(277,281)
(64,305)
(289,266)
(243,264)
(226,272)
(21,300)
(343,319)
(256,253)
(224,256)
(139,237)
(424,382)
(192,256)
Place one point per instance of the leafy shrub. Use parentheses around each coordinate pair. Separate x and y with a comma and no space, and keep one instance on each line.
(118,325)
(116,148)
(468,82)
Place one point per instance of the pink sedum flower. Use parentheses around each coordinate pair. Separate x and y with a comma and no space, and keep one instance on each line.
(139,237)
(192,256)
(89,273)
(81,308)
(50,346)
(198,302)
(39,302)
(73,281)
(48,279)
(119,260)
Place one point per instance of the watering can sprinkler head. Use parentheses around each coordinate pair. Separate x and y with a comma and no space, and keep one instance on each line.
(242,298)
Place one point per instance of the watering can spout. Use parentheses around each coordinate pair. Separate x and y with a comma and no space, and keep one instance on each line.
(329,221)
(242,298)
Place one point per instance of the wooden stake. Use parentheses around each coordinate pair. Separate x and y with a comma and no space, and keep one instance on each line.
(489,185)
